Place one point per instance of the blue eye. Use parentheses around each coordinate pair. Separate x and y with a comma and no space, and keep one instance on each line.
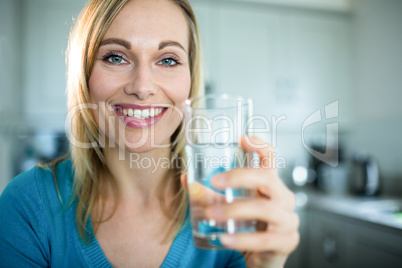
(115,59)
(168,62)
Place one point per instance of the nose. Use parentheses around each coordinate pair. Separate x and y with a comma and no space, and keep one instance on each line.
(142,83)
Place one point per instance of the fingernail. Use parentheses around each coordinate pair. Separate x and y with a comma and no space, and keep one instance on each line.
(227,240)
(220,180)
(216,211)
(213,212)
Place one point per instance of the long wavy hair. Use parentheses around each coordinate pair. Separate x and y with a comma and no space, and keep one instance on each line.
(88,161)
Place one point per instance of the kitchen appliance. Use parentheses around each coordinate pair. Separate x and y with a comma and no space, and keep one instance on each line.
(334,180)
(41,146)
(319,170)
(365,177)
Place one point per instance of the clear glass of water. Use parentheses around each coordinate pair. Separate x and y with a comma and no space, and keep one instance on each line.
(214,125)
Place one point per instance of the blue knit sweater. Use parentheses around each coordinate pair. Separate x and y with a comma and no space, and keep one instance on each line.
(37,230)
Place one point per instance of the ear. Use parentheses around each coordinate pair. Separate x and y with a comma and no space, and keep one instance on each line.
(183,179)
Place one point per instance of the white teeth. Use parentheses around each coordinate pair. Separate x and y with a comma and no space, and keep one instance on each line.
(145,113)
(137,114)
(141,114)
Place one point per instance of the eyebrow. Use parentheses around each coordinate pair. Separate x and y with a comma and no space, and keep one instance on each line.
(127,45)
(164,44)
(117,41)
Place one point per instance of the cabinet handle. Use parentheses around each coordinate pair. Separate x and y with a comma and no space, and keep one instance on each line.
(330,249)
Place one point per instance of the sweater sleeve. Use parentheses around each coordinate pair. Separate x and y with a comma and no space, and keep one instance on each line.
(236,260)
(23,240)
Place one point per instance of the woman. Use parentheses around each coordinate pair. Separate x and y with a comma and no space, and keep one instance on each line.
(130,64)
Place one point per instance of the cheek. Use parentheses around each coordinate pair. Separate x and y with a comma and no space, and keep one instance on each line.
(180,90)
(102,85)
(178,93)
(99,87)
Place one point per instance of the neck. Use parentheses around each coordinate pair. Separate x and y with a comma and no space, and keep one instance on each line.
(136,176)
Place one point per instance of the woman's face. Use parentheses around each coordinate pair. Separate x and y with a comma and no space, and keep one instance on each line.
(141,72)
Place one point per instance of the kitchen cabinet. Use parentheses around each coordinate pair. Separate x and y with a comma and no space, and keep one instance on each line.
(377,247)
(346,231)
(329,241)
(337,241)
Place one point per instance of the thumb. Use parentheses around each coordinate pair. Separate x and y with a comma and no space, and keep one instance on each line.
(183,179)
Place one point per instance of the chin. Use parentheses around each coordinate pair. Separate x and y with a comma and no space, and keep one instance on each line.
(137,142)
(147,146)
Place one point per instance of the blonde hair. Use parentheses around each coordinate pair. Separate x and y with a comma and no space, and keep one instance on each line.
(85,38)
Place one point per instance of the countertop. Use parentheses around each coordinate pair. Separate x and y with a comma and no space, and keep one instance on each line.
(369,209)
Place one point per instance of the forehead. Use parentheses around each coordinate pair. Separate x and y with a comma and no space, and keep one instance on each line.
(147,22)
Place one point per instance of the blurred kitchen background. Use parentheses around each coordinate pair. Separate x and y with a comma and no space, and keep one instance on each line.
(329,72)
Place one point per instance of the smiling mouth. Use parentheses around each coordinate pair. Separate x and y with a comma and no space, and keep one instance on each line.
(140,113)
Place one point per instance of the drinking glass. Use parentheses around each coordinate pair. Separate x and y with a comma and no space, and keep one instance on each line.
(214,124)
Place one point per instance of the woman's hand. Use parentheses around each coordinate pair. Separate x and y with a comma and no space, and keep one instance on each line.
(277,229)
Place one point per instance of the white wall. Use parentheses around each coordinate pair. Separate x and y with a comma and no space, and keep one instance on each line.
(10,57)
(47,26)
(378,39)
(33,38)
(291,61)
(378,88)
(10,84)
(294,61)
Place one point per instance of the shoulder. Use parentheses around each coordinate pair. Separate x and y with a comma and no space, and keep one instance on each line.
(34,190)
(21,201)
(26,205)
(23,188)
(39,181)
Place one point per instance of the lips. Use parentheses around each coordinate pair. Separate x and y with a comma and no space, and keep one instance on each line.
(139,116)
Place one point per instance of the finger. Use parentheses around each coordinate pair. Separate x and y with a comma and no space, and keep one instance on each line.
(250,178)
(183,180)
(260,241)
(278,219)
(197,212)
(201,195)
(266,152)
(199,192)
(268,184)
(267,157)
(262,258)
